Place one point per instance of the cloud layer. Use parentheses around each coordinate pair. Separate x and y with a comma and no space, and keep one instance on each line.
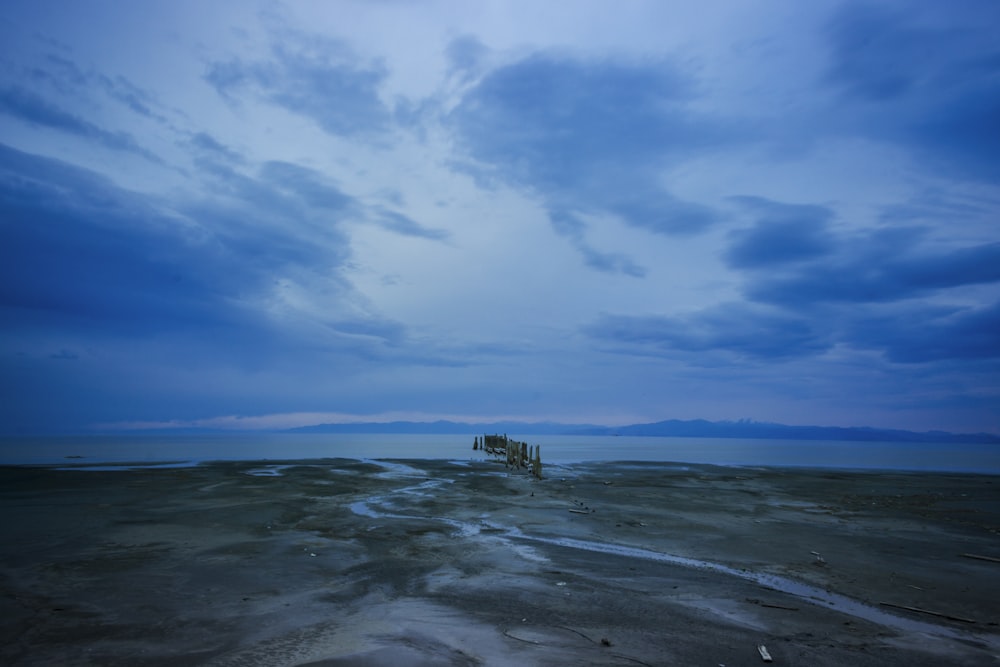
(789,216)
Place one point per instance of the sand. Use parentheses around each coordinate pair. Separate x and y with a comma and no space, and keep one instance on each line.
(342,562)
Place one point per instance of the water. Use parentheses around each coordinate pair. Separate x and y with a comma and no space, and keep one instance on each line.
(556,449)
(514,538)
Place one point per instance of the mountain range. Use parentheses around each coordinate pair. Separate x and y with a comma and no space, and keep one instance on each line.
(696,428)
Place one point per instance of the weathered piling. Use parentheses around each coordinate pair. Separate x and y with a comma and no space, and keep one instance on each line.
(513,453)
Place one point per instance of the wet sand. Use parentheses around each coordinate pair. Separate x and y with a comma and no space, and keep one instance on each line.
(342,562)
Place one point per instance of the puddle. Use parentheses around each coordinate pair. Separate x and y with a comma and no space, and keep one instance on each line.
(268,471)
(392,469)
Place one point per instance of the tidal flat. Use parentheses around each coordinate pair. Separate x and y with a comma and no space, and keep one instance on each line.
(436,562)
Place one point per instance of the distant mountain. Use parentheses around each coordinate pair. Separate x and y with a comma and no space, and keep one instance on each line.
(699,428)
(696,428)
(448,427)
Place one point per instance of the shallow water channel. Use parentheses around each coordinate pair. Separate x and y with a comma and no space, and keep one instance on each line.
(382,506)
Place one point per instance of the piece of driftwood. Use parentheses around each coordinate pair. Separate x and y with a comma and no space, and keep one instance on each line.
(764,655)
(772,606)
(978,557)
(506,633)
(928,612)
(579,512)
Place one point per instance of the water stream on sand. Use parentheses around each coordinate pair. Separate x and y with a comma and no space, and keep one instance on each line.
(804,592)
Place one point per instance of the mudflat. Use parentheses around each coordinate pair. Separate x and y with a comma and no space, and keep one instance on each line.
(432,562)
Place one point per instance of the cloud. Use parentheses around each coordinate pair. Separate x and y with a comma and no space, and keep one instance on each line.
(465,55)
(791,258)
(319,194)
(30,108)
(212,148)
(876,55)
(922,334)
(78,252)
(869,289)
(862,274)
(402,224)
(589,137)
(572,227)
(71,81)
(311,186)
(258,268)
(783,234)
(551,118)
(321,80)
(922,76)
(741,331)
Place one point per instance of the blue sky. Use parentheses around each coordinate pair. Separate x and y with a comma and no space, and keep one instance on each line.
(260,215)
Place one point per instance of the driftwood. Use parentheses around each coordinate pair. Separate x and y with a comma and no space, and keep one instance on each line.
(579,512)
(927,611)
(978,557)
(764,655)
(771,606)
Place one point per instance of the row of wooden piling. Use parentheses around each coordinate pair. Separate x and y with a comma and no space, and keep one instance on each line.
(513,453)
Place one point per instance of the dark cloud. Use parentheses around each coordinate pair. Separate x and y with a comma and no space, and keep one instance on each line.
(877,56)
(130,95)
(865,275)
(311,186)
(77,252)
(742,331)
(112,305)
(325,83)
(85,260)
(589,137)
(923,76)
(209,146)
(929,334)
(610,262)
(561,117)
(782,234)
(71,81)
(868,290)
(30,108)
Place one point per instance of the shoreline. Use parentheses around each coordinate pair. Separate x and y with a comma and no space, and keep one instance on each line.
(930,457)
(455,562)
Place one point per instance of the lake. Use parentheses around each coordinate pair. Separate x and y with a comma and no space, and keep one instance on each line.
(556,449)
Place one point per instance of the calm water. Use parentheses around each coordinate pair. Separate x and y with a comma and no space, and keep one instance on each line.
(555,450)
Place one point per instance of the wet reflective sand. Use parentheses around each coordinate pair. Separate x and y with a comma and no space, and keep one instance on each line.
(344,562)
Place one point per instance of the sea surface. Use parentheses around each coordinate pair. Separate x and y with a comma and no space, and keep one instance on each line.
(555,450)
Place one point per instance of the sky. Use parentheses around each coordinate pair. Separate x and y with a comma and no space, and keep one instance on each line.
(246,215)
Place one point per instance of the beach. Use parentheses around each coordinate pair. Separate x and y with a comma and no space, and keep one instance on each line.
(465,562)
